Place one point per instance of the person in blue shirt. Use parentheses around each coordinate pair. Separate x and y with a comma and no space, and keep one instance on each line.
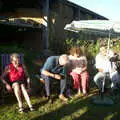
(54,69)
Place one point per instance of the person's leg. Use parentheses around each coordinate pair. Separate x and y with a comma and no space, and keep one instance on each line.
(62,85)
(62,88)
(77,83)
(47,84)
(17,92)
(76,80)
(26,96)
(84,81)
(68,78)
(115,79)
(98,79)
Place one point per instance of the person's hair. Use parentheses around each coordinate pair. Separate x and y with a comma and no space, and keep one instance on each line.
(77,50)
(64,58)
(105,46)
(103,43)
(16,55)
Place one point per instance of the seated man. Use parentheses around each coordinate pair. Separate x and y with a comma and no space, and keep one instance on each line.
(53,68)
(105,67)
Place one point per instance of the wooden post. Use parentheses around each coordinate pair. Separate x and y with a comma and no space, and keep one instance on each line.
(46,30)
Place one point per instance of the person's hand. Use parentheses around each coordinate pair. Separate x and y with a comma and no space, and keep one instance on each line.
(28,86)
(28,83)
(100,70)
(8,87)
(57,76)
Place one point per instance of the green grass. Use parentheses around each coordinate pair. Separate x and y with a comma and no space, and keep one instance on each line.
(76,109)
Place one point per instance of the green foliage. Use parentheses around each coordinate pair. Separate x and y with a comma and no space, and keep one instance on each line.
(89,48)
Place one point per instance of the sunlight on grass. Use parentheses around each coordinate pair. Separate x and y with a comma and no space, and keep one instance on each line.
(110,116)
(76,114)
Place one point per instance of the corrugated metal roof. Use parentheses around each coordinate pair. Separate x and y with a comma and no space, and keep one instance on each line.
(23,22)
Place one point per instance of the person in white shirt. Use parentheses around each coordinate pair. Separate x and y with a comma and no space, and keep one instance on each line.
(105,67)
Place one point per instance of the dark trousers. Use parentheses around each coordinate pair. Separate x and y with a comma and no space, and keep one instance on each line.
(47,84)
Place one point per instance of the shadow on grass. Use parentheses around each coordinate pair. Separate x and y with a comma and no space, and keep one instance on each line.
(79,109)
(42,103)
(9,100)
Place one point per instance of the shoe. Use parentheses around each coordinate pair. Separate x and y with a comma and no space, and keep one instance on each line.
(32,109)
(63,98)
(78,95)
(20,110)
(49,99)
(85,94)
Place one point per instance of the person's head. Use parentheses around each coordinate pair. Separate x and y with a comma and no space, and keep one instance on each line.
(103,50)
(14,58)
(76,51)
(63,60)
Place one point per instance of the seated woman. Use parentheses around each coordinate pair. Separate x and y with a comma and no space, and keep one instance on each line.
(78,68)
(17,74)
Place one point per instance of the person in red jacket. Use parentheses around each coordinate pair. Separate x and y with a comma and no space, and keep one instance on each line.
(17,75)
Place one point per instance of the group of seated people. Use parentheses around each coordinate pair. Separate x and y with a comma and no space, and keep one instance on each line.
(56,68)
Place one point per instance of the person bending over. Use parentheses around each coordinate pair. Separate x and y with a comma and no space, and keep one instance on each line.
(54,69)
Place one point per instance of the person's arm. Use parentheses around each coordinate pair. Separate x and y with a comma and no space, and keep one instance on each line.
(5,73)
(84,63)
(48,66)
(47,73)
(84,68)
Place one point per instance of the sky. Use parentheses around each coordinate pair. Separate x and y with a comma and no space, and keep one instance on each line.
(106,8)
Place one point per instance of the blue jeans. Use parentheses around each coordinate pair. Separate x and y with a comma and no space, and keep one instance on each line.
(47,84)
(100,77)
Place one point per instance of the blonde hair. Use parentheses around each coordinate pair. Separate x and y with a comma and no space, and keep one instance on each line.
(16,55)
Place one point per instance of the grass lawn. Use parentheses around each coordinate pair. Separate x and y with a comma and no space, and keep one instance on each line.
(80,108)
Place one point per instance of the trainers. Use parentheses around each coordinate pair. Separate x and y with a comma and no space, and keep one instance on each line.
(85,94)
(20,110)
(78,95)
(63,98)
(32,109)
